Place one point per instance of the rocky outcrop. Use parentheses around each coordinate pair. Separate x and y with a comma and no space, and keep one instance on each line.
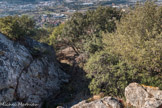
(106,102)
(29,73)
(142,96)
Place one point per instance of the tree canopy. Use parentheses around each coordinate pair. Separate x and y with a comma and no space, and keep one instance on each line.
(83,31)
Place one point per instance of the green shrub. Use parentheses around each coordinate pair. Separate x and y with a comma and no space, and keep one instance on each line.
(108,74)
(55,37)
(16,27)
(132,54)
(138,39)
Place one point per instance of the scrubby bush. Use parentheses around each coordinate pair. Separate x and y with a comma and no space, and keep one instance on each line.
(16,27)
(108,74)
(132,54)
(42,35)
(138,39)
(55,37)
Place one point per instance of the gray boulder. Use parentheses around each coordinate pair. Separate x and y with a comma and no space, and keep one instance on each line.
(29,73)
(106,102)
(142,96)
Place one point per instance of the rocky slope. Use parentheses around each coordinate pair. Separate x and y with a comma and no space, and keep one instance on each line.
(139,96)
(29,73)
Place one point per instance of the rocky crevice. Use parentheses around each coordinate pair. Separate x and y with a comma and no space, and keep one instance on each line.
(18,80)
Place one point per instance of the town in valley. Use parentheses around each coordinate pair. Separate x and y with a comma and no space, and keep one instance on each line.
(51,13)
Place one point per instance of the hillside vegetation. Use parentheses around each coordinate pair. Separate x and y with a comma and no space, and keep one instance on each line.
(117,47)
(120,48)
(133,53)
(16,27)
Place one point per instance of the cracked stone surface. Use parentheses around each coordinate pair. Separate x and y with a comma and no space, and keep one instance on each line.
(28,73)
(106,102)
(142,96)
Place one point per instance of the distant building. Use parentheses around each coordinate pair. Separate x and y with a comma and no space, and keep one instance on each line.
(88,4)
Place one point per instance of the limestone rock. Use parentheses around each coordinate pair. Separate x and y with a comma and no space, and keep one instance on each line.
(28,72)
(142,96)
(106,102)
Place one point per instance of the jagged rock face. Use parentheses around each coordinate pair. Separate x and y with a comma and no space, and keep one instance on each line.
(106,102)
(142,96)
(28,73)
